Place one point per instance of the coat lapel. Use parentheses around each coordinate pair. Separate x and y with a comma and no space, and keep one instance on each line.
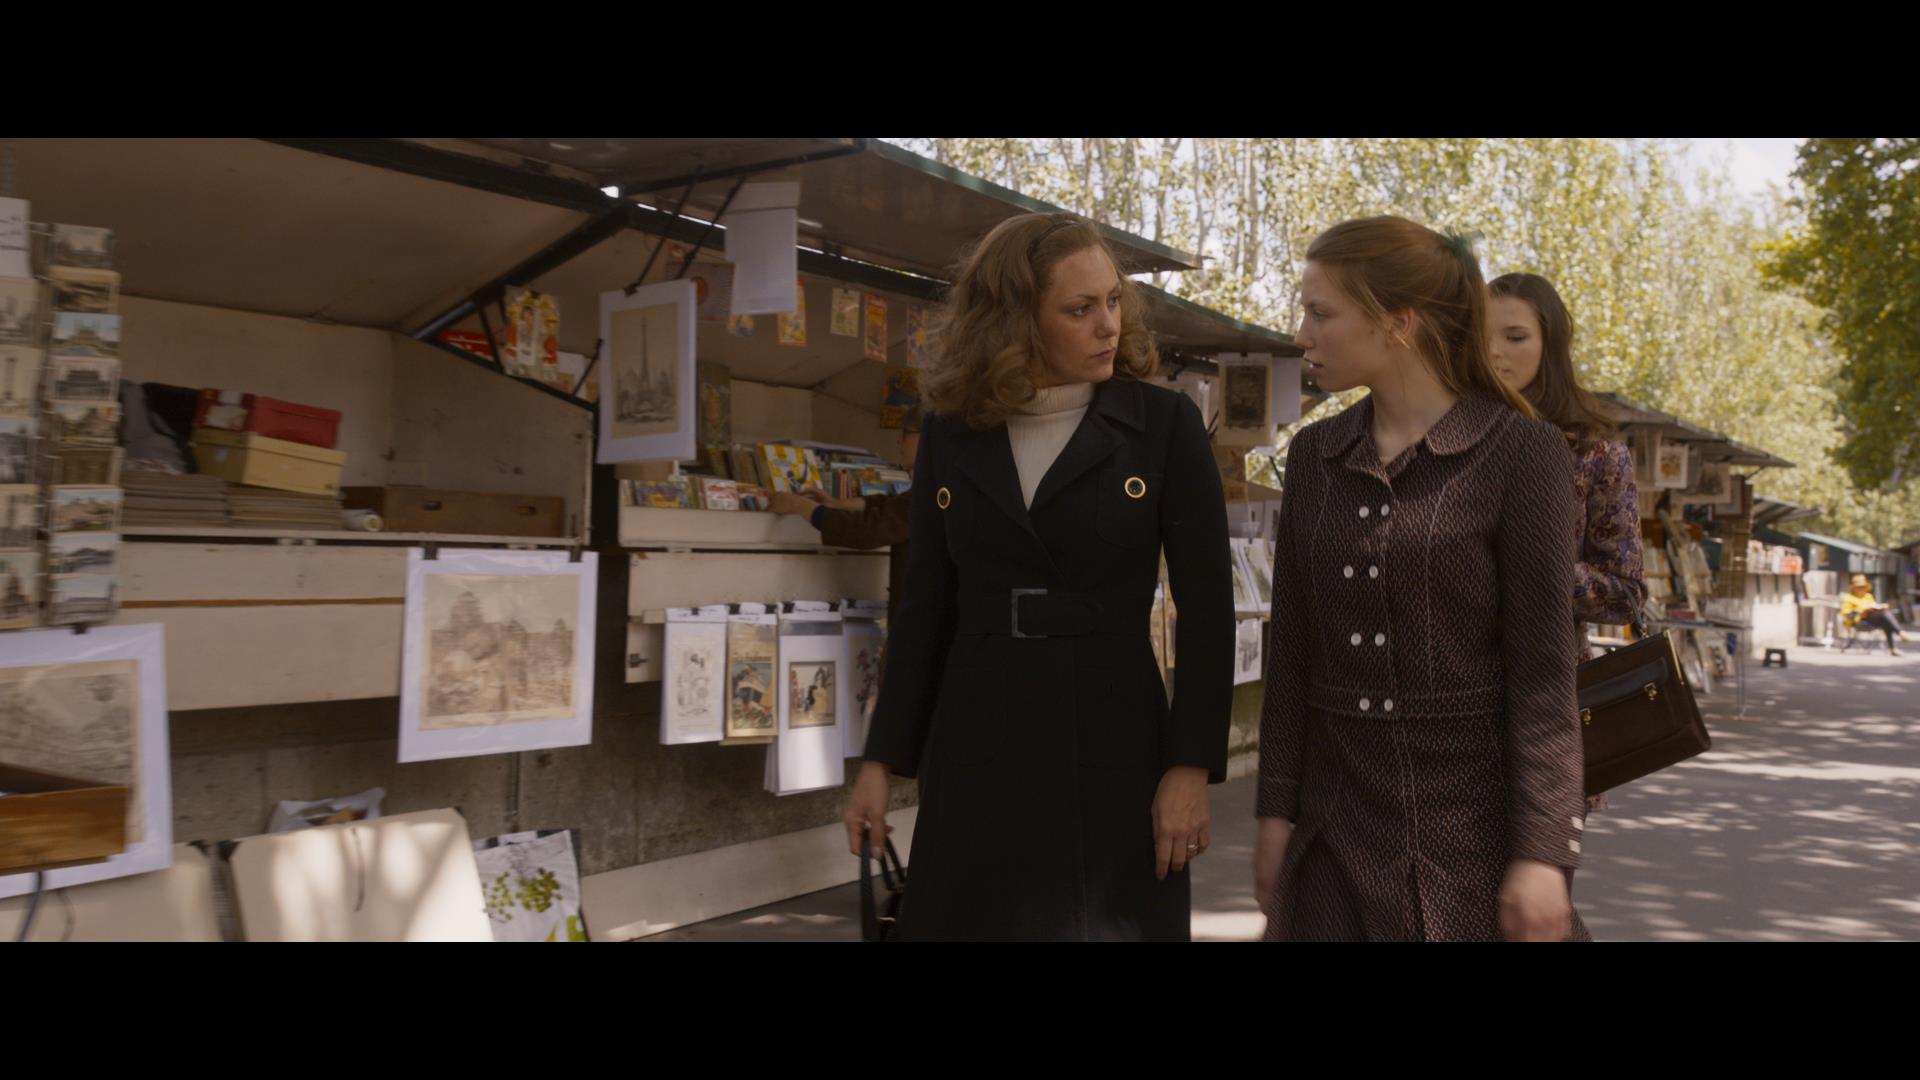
(987,457)
(1114,401)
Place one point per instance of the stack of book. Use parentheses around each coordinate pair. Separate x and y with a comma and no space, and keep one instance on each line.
(265,508)
(170,499)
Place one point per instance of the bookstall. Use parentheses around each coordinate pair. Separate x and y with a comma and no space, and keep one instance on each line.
(411,339)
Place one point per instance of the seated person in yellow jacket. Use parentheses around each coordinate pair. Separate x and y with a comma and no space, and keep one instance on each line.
(1859,608)
(873,521)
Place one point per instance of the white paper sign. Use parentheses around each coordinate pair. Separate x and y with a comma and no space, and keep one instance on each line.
(762,244)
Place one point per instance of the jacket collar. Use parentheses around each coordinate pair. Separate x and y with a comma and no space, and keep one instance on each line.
(1459,430)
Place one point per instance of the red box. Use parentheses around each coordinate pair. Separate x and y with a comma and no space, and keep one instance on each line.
(270,417)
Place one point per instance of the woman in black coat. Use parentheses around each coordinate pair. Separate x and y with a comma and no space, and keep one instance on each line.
(1060,797)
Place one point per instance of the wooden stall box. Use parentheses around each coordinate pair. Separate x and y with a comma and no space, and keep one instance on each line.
(48,821)
(431,510)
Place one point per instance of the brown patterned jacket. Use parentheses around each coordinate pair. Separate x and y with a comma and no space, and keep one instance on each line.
(1420,725)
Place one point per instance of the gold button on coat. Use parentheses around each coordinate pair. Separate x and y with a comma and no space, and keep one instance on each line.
(943,498)
(1136,487)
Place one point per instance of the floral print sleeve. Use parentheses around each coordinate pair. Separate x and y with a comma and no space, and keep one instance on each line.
(1607,584)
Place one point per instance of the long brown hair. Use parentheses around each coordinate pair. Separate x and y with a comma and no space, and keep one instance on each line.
(987,337)
(1388,264)
(1555,392)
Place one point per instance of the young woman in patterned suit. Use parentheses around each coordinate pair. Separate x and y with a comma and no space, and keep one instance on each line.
(1420,762)
(1532,351)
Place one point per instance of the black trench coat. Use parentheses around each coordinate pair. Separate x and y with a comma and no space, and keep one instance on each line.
(1039,758)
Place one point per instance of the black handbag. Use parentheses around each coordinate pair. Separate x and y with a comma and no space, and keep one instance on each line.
(1637,713)
(877,922)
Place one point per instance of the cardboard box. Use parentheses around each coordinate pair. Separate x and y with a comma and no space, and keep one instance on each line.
(246,458)
(276,419)
(428,510)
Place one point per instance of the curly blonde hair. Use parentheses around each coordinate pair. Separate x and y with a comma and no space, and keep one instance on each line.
(987,336)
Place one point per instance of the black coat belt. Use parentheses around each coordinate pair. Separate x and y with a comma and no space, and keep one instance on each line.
(1037,613)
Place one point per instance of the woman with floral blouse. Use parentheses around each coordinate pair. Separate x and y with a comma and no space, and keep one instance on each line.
(1532,350)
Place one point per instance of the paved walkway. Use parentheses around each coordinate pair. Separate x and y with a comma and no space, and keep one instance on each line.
(1802,824)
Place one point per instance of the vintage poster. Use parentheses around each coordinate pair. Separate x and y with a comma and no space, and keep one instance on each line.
(693,692)
(865,646)
(498,653)
(1247,640)
(876,336)
(1246,418)
(919,355)
(82,246)
(19,380)
(647,406)
(793,328)
(19,310)
(812,694)
(531,885)
(1713,485)
(92,291)
(716,403)
(1670,465)
(713,289)
(93,707)
(19,590)
(753,650)
(900,393)
(740,326)
(846,312)
(531,349)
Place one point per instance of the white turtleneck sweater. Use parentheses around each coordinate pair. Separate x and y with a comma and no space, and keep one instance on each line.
(1041,430)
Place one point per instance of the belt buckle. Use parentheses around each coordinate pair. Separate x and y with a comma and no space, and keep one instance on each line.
(1017,594)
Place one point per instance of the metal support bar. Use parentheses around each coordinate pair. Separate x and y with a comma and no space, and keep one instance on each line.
(662,184)
(493,346)
(662,244)
(542,387)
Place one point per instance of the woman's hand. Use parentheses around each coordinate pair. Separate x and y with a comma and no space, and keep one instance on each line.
(786,502)
(1534,904)
(867,809)
(1269,852)
(1182,827)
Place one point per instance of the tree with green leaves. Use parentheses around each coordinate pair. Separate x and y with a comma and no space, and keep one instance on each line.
(1856,255)
(1666,288)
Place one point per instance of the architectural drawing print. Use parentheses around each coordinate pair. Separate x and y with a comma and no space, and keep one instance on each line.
(647,367)
(500,649)
(19,302)
(79,721)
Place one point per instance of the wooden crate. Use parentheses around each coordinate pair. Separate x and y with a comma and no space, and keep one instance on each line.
(431,510)
(48,822)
